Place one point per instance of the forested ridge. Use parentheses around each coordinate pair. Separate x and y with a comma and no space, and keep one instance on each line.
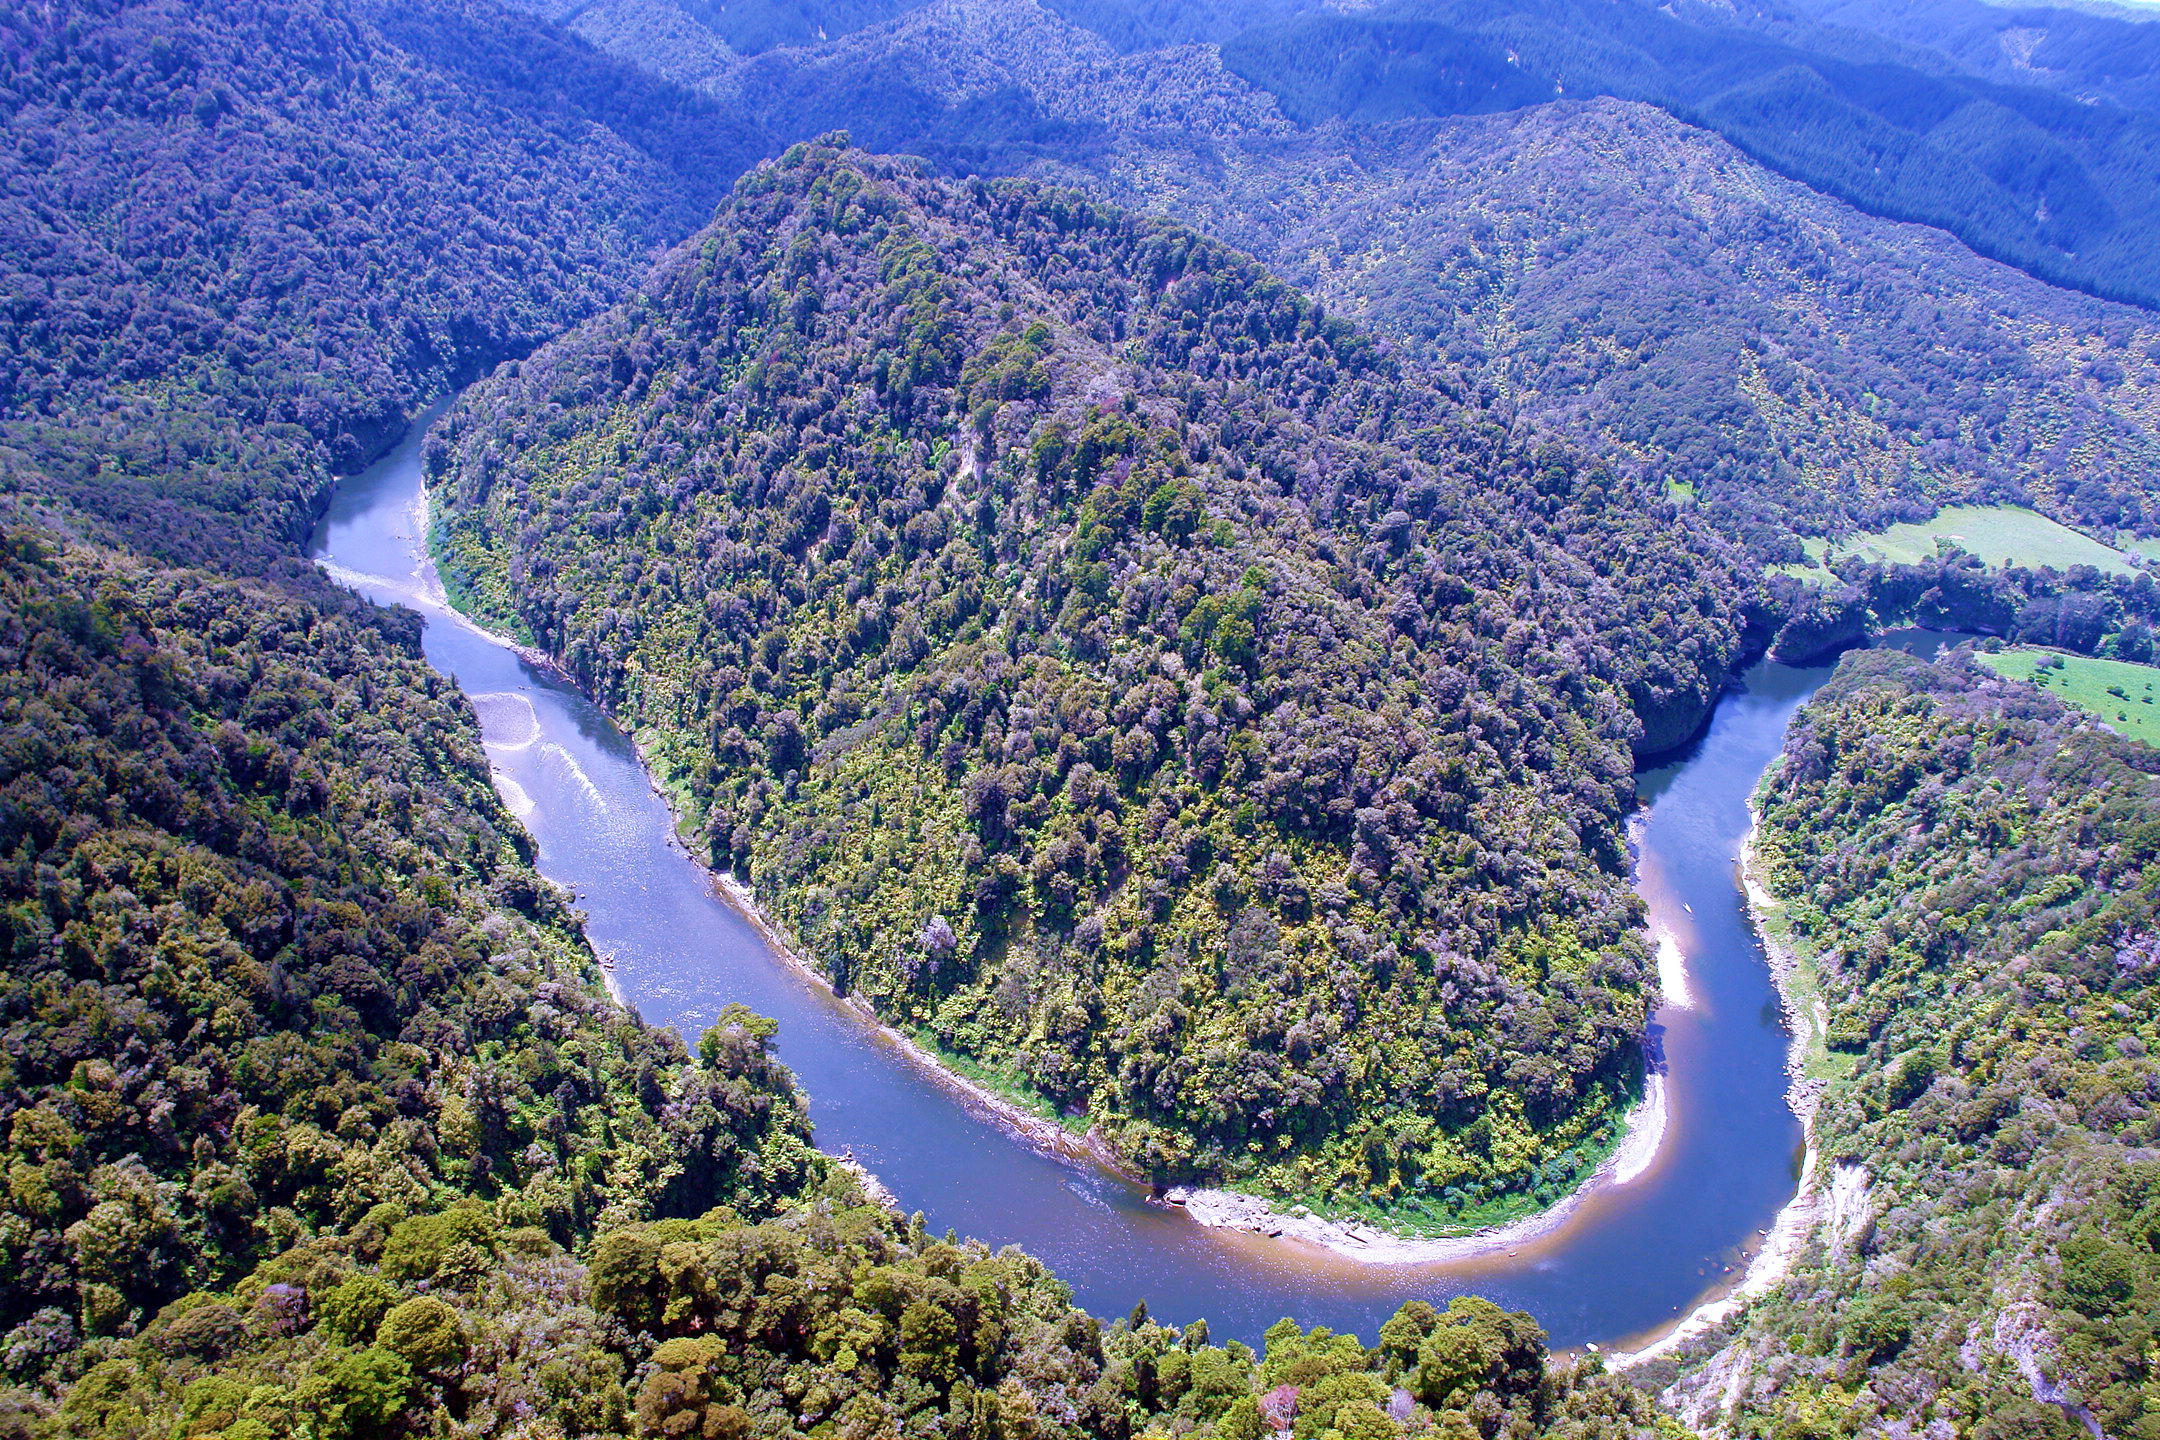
(1967,868)
(245,240)
(1114,669)
(1610,275)
(2061,187)
(838,1319)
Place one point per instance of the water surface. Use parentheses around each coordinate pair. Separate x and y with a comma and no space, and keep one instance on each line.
(1632,1258)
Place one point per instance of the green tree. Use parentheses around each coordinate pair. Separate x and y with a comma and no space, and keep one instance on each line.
(425,1334)
(362,1395)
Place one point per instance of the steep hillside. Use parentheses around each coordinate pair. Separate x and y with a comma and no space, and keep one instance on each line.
(1646,290)
(278,964)
(1114,669)
(1632,283)
(243,242)
(1966,869)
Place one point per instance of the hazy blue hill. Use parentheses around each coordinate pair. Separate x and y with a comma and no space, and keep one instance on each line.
(2041,154)
(1615,275)
(243,242)
(2068,190)
(2111,56)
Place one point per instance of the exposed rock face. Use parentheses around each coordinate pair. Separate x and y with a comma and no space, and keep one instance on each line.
(1671,718)
(1824,625)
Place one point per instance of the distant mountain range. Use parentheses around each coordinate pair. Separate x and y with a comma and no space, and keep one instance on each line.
(1608,272)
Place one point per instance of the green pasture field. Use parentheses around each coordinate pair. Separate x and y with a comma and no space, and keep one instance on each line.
(2124,696)
(1998,534)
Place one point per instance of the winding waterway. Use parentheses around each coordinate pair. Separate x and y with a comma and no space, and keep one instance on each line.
(1631,1259)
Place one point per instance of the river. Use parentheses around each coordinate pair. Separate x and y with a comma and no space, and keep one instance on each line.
(1631,1259)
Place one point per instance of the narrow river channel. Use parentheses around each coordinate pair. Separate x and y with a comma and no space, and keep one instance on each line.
(1633,1258)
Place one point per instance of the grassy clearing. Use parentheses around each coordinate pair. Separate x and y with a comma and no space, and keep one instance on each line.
(1998,534)
(2125,696)
(1803,984)
(1816,569)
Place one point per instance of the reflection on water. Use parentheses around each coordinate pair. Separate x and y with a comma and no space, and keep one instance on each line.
(1632,1258)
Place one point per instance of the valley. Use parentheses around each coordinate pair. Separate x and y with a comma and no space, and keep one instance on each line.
(1146,634)
(1635,1253)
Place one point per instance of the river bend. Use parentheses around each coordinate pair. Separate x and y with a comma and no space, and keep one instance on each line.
(1632,1258)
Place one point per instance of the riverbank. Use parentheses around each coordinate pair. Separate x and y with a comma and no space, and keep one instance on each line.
(1632,1156)
(1642,1133)
(432,584)
(1044,1135)
(1640,1140)
(1789,1232)
(1636,1152)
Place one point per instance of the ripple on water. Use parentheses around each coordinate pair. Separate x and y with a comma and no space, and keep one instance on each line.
(577,773)
(507,719)
(514,796)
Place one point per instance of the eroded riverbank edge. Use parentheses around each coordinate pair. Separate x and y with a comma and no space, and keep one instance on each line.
(1796,1221)
(1642,1136)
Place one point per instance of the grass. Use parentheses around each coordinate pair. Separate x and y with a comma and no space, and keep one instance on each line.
(1816,569)
(1998,534)
(2125,696)
(1803,983)
(1005,1082)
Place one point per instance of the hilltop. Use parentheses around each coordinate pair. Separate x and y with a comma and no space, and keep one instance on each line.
(1118,671)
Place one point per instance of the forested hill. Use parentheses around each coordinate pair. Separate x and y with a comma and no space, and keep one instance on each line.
(2063,187)
(1969,870)
(1645,289)
(1117,670)
(278,967)
(318,1123)
(1615,277)
(2099,50)
(243,241)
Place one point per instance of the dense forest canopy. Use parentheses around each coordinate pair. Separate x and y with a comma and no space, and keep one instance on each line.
(279,967)
(838,1319)
(1599,269)
(317,1120)
(1112,667)
(244,241)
